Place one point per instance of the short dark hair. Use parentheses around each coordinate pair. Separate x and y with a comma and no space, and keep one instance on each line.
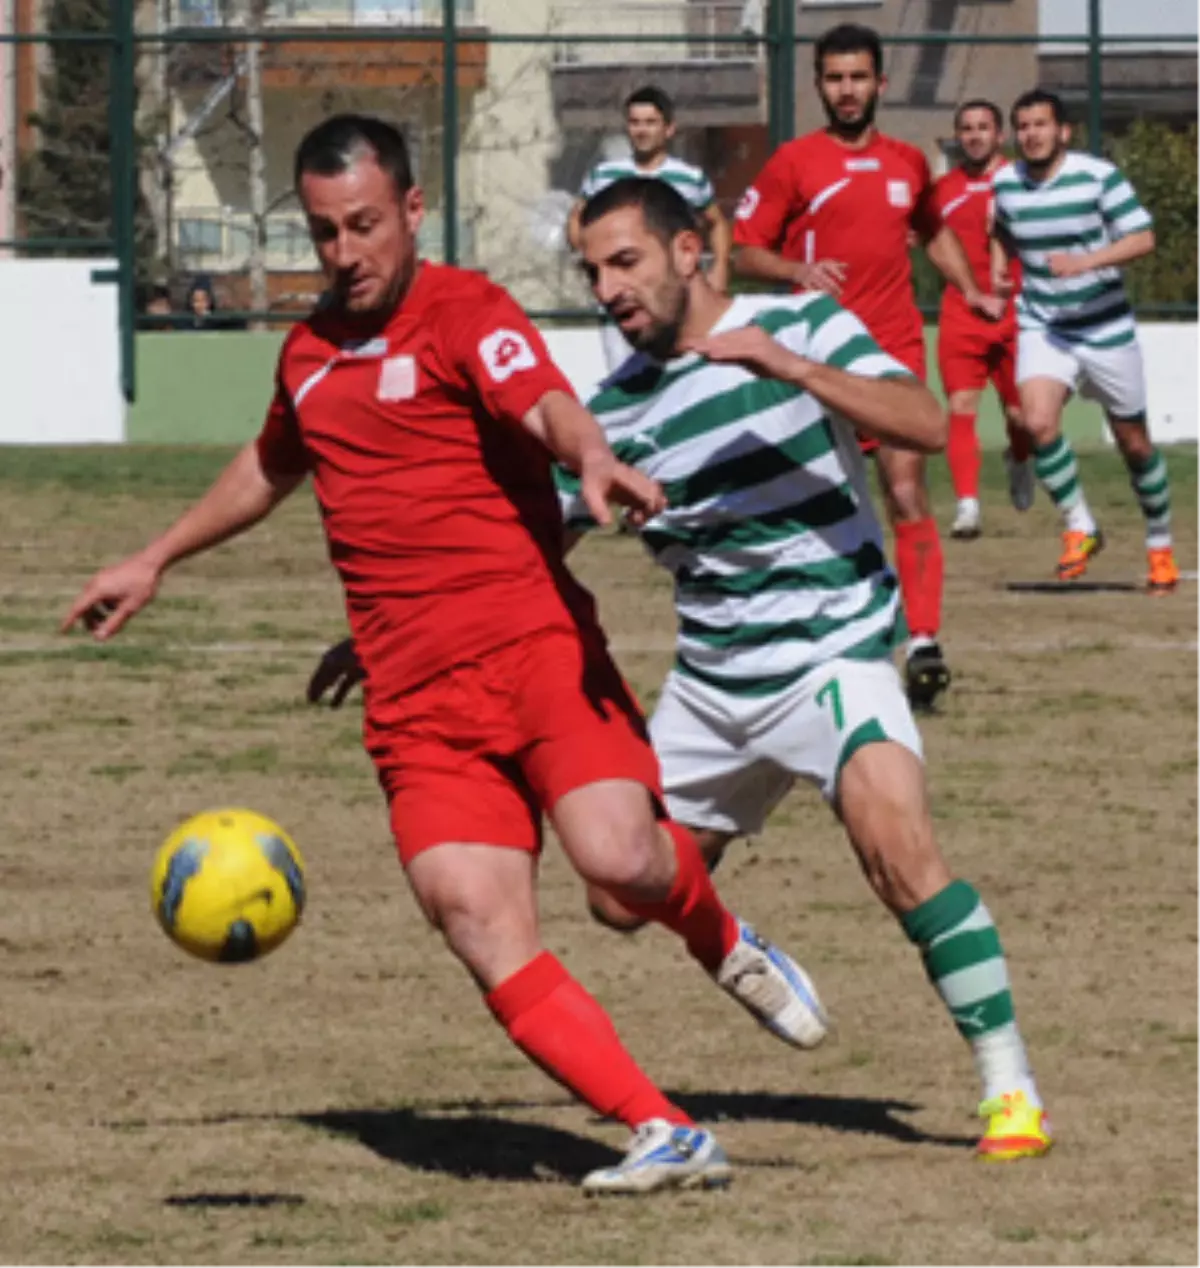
(848,37)
(1039,97)
(664,209)
(651,96)
(980,103)
(339,142)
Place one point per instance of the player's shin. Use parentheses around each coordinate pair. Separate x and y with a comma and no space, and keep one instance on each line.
(1149,480)
(964,960)
(560,1027)
(692,908)
(920,566)
(1058,472)
(964,456)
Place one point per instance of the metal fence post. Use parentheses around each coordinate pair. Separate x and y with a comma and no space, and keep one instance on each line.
(449,132)
(123,174)
(1095,116)
(781,72)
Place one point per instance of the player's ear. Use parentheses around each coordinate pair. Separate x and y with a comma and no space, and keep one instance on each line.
(686,249)
(414,208)
(1064,131)
(670,130)
(883,83)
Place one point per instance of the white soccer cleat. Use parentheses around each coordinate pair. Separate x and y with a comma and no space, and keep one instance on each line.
(1022,485)
(774,989)
(664,1155)
(967,520)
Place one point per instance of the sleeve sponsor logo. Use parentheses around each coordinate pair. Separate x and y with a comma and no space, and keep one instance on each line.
(504,352)
(748,205)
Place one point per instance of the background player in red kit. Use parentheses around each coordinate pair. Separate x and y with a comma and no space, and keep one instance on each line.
(834,211)
(972,350)
(423,403)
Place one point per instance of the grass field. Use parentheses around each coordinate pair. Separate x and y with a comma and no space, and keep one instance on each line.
(348,1100)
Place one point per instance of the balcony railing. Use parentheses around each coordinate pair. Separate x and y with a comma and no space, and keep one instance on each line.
(341,13)
(708,27)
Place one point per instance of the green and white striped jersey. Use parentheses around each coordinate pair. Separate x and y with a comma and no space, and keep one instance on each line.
(770,534)
(1085,205)
(687,180)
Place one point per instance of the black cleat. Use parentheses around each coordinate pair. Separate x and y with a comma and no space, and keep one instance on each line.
(926,676)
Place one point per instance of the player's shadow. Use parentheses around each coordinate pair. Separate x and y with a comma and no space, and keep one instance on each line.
(469,1145)
(464,1139)
(859,1115)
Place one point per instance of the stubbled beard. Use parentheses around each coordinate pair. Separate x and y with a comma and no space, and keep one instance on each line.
(851,130)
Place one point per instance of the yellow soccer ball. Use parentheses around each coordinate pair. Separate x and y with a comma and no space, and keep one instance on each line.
(228,885)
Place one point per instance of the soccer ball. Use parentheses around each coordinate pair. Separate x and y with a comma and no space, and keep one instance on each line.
(228,885)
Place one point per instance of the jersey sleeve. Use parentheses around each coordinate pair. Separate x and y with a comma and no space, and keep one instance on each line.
(1122,210)
(767,205)
(280,447)
(500,353)
(832,335)
(591,183)
(705,195)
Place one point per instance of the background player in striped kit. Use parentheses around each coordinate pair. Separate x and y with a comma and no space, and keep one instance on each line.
(745,410)
(835,210)
(972,351)
(650,127)
(1073,220)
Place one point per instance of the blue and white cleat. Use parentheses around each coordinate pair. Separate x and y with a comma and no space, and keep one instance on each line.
(774,989)
(664,1155)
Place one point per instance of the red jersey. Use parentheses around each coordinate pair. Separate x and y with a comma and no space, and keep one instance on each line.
(965,203)
(817,199)
(438,506)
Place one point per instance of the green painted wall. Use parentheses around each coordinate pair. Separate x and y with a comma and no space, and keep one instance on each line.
(197,389)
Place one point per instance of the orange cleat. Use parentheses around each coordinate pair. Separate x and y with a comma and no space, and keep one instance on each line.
(1078,548)
(1164,571)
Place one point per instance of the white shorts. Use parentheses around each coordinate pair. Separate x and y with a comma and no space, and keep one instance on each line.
(1113,377)
(727,761)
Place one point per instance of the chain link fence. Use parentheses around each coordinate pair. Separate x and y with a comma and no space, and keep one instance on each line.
(161,132)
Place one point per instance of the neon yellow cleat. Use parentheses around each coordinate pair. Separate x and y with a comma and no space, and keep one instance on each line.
(1016,1129)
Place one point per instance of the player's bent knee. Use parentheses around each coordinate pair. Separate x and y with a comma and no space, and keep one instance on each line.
(610,913)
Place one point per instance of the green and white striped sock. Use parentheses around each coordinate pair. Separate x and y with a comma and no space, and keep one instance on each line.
(963,958)
(1058,471)
(1149,482)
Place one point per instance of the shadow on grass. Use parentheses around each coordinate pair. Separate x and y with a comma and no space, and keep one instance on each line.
(218,1200)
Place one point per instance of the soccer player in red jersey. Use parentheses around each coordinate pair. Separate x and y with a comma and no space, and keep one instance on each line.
(971,350)
(422,402)
(835,210)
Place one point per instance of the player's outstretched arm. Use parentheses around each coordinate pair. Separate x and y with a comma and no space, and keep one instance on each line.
(764,265)
(948,257)
(577,440)
(899,410)
(1112,255)
(243,493)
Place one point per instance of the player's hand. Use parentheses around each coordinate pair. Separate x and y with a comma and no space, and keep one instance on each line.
(1002,284)
(823,275)
(338,672)
(750,347)
(1064,264)
(602,479)
(113,596)
(989,307)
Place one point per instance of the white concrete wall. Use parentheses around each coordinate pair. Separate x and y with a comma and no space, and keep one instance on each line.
(61,356)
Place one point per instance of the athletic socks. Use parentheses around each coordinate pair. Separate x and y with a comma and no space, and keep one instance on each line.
(1058,471)
(964,960)
(964,456)
(693,908)
(1149,480)
(560,1027)
(920,567)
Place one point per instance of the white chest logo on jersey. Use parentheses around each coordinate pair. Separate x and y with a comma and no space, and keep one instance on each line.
(504,352)
(899,193)
(748,205)
(862,165)
(397,379)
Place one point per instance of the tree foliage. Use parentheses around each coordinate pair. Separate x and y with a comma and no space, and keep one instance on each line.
(65,184)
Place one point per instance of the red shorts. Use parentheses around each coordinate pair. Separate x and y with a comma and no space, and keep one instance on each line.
(972,352)
(912,357)
(476,754)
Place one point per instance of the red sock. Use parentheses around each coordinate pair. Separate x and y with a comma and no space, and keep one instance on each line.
(556,1023)
(693,908)
(1018,441)
(920,567)
(964,456)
